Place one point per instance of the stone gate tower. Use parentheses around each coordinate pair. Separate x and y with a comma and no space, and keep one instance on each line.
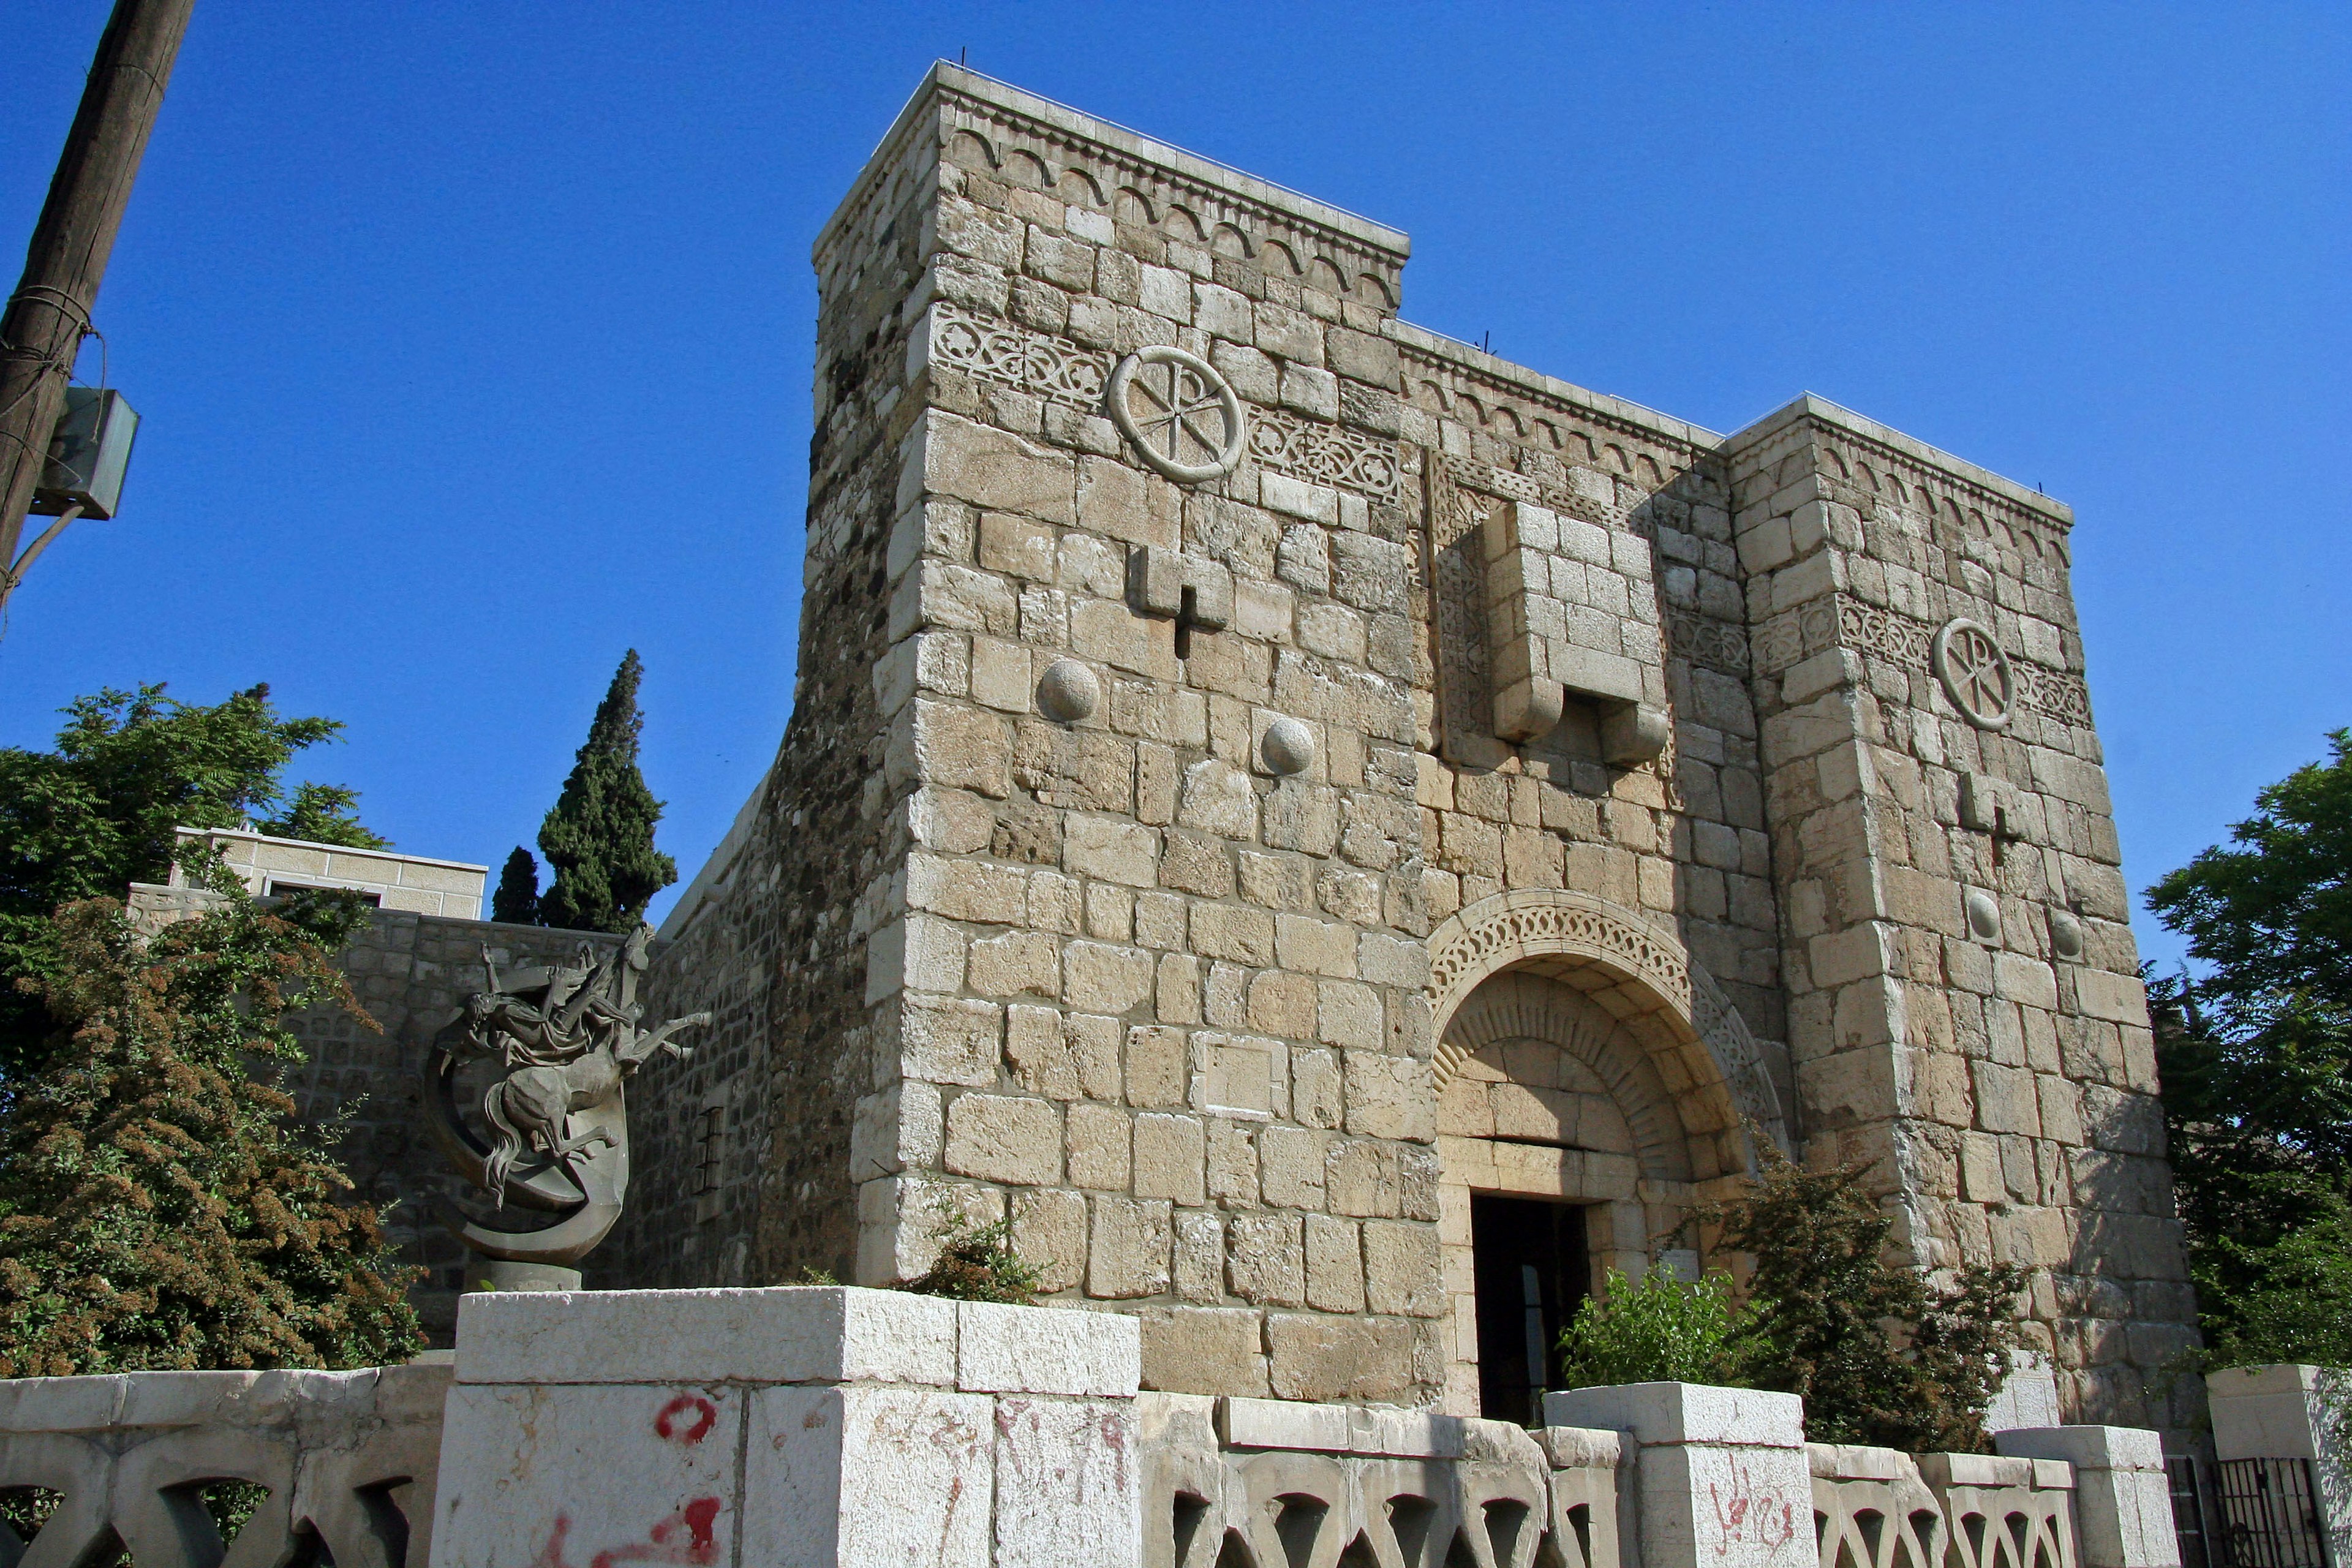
(1340,838)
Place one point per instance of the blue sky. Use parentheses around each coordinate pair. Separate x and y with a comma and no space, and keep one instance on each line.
(473,342)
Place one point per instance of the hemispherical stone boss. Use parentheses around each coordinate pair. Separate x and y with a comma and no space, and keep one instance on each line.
(2066,934)
(1287,746)
(1984,914)
(1068,691)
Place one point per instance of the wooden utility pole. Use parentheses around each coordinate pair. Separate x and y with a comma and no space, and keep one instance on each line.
(48,314)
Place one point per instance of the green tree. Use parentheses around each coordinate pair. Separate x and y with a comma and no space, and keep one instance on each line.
(99,812)
(2255,1056)
(322,813)
(516,901)
(158,1207)
(1881,1354)
(599,839)
(1658,1331)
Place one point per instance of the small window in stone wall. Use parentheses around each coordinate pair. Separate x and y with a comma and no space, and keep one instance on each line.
(710,1159)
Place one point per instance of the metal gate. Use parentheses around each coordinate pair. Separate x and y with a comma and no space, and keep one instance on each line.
(2269,1515)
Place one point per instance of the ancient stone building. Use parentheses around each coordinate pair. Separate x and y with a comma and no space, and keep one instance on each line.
(1339,838)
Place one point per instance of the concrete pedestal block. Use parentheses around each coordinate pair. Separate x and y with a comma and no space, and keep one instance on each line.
(791,1427)
(2123,1505)
(1720,1473)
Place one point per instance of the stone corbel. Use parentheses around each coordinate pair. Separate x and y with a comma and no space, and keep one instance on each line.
(1535,667)
(1632,733)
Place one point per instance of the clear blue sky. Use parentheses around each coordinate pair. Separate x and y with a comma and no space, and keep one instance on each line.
(474,341)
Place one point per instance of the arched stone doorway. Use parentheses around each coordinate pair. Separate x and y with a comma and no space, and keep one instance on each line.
(1591,1086)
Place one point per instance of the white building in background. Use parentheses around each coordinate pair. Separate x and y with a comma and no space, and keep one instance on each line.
(392,882)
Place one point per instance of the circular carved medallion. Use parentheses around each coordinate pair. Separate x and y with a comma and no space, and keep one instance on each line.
(1181,413)
(1975,674)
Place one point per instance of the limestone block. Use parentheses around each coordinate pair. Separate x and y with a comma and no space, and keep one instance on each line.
(1315,947)
(1099,977)
(1390,1096)
(1335,1265)
(1069,1482)
(945,1039)
(1115,850)
(881,1478)
(963,748)
(1159,1065)
(1203,1350)
(1028,1349)
(1016,963)
(1002,1137)
(2120,998)
(1317,1356)
(1265,1258)
(1217,799)
(2123,1503)
(994,469)
(1722,1473)
(1243,935)
(1017,547)
(1170,1151)
(1402,1268)
(773,1334)
(560,1472)
(1127,1253)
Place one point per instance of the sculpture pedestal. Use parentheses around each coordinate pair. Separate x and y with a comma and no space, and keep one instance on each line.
(791,1427)
(498,1273)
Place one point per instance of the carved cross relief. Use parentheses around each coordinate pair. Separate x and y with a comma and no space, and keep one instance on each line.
(1196,594)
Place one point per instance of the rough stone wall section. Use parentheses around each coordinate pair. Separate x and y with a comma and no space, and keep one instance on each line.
(747,1169)
(1964,1005)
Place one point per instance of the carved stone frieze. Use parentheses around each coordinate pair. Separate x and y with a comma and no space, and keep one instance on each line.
(1842,621)
(1710,644)
(1518,927)
(999,350)
(1327,454)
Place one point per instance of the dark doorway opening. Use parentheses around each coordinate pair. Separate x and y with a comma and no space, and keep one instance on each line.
(1531,1274)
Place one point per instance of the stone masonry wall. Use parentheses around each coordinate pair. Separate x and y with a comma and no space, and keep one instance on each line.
(1964,1003)
(748,1175)
(1145,822)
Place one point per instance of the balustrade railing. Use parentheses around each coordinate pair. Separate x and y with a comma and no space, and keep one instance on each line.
(1875,1508)
(1256,1483)
(332,1466)
(341,1467)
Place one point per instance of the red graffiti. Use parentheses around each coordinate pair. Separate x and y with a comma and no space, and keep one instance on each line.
(699,1549)
(1761,1515)
(552,1554)
(705,1418)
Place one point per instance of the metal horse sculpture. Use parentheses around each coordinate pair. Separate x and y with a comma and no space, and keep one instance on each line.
(568,1037)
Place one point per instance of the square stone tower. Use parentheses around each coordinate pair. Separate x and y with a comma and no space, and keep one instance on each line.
(1340,839)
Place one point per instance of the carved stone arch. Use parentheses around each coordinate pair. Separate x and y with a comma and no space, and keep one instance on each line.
(1639,974)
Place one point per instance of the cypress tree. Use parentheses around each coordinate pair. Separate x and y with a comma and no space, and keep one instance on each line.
(516,902)
(600,836)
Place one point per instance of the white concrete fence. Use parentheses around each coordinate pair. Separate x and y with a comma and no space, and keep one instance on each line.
(794,1428)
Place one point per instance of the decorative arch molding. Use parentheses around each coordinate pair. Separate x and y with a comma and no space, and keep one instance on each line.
(1640,975)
